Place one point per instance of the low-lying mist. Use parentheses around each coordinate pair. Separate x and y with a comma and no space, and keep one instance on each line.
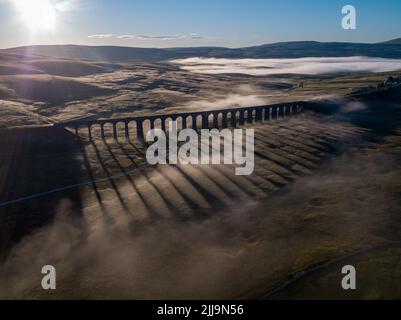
(307,66)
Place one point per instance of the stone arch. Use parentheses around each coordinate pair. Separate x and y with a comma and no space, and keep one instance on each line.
(222,119)
(205,119)
(120,130)
(146,126)
(251,116)
(180,122)
(210,120)
(237,116)
(272,113)
(96,130)
(107,130)
(131,128)
(157,123)
(262,114)
(188,120)
(197,121)
(167,121)
(229,116)
(287,111)
(247,116)
(245,113)
(81,131)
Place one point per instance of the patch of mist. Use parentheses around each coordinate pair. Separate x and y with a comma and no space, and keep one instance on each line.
(166,259)
(230,101)
(241,96)
(307,66)
(338,104)
(354,106)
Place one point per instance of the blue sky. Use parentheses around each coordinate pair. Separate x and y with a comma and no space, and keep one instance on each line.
(169,23)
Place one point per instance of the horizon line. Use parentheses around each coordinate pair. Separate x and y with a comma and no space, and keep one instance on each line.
(185,46)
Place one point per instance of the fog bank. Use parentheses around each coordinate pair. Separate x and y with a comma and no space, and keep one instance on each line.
(308,66)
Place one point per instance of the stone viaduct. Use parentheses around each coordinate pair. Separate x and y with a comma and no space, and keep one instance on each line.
(218,119)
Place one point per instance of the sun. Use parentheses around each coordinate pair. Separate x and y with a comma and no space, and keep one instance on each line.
(37,15)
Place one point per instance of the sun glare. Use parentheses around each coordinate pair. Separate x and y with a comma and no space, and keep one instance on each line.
(37,15)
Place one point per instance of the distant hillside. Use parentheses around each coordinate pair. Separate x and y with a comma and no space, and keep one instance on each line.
(14,64)
(104,53)
(52,90)
(395,41)
(299,49)
(322,49)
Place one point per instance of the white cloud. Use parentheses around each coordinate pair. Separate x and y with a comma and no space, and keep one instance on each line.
(150,37)
(191,36)
(310,66)
(101,36)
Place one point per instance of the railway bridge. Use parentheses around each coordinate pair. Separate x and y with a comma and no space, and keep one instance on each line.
(218,119)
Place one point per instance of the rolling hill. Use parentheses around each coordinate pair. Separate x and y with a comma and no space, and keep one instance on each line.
(297,49)
(394,42)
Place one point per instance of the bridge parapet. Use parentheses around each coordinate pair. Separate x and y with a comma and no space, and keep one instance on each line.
(218,119)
